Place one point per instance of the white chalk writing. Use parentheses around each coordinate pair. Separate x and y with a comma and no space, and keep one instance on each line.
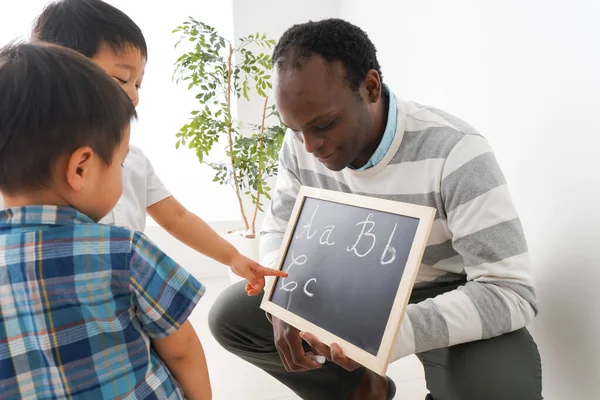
(325,240)
(389,249)
(362,234)
(306,292)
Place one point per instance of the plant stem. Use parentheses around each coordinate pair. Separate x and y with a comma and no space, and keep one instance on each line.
(230,138)
(260,142)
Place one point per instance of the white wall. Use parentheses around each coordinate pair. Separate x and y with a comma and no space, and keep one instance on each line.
(527,76)
(16,19)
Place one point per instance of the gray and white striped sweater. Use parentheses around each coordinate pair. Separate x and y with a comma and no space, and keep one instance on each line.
(440,161)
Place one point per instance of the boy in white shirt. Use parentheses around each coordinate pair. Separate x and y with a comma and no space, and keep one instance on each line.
(112,40)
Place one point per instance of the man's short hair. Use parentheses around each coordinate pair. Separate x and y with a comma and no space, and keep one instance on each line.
(333,39)
(52,102)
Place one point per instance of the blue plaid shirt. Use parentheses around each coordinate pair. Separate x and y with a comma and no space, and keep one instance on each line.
(79,302)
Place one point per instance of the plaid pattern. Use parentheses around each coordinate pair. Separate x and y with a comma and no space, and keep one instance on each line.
(79,302)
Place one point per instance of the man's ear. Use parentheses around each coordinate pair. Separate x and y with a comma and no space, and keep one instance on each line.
(373,86)
(80,167)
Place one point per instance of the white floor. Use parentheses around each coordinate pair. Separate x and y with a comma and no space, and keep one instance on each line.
(234,379)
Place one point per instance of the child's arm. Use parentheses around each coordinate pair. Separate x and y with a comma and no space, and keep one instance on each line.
(195,233)
(191,230)
(183,354)
(163,295)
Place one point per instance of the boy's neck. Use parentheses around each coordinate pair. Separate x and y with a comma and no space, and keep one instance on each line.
(39,198)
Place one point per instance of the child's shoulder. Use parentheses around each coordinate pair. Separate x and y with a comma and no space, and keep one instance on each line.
(137,167)
(136,151)
(136,155)
(110,238)
(123,239)
(100,239)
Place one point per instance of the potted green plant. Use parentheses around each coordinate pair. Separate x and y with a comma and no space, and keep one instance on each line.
(219,73)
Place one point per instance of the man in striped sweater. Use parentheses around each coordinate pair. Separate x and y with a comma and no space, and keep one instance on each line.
(474,294)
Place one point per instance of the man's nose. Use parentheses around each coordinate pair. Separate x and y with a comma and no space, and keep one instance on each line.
(312,144)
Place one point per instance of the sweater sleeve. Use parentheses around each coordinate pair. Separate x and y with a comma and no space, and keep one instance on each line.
(486,232)
(283,200)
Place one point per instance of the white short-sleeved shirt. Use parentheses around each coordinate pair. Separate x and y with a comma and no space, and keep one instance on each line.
(141,189)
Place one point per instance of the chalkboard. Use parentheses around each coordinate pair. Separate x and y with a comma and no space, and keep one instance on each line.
(352,261)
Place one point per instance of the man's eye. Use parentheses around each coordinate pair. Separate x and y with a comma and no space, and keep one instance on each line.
(122,81)
(326,126)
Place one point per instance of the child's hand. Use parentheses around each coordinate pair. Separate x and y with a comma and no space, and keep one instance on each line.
(253,272)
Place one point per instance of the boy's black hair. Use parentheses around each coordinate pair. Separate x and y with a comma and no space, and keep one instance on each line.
(53,101)
(82,25)
(333,39)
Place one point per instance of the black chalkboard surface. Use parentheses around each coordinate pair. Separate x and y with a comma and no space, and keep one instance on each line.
(345,264)
(352,261)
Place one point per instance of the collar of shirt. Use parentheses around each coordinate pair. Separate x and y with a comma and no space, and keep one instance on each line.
(388,134)
(41,215)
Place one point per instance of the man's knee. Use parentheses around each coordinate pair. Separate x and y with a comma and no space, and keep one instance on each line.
(506,367)
(514,385)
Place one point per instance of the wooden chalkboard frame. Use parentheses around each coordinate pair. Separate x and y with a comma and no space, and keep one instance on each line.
(425,215)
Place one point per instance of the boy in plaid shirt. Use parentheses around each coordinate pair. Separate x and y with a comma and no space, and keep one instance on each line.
(86,310)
